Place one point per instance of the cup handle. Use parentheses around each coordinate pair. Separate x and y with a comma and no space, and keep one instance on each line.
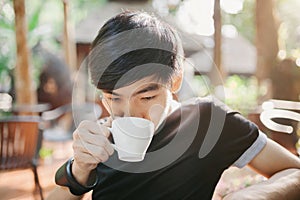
(113,145)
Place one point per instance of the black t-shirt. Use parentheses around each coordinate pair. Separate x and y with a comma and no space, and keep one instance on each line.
(186,157)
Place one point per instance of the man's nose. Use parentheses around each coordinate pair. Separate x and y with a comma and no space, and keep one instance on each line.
(127,112)
(129,109)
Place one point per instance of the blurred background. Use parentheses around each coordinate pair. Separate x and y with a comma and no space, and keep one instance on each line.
(245,52)
(253,44)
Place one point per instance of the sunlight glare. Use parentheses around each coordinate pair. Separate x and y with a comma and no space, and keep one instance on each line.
(229,31)
(298,62)
(8,12)
(232,6)
(195,17)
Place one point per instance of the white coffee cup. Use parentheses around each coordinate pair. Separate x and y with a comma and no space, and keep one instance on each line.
(132,137)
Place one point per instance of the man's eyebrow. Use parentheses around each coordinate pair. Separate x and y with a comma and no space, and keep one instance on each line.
(148,88)
(111,92)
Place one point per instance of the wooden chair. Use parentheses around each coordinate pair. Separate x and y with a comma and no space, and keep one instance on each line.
(20,141)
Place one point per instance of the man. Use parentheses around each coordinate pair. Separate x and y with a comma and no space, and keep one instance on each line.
(136,61)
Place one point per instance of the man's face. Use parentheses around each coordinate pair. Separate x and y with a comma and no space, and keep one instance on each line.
(145,98)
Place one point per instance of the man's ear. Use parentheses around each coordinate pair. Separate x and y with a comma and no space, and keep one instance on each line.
(176,82)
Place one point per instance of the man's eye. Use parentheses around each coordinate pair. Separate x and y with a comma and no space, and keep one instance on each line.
(113,99)
(148,98)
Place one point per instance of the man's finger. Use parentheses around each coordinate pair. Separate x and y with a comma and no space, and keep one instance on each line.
(94,127)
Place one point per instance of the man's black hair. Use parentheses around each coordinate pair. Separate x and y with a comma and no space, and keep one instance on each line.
(132,46)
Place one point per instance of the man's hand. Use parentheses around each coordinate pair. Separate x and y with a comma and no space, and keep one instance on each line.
(91,146)
(283,185)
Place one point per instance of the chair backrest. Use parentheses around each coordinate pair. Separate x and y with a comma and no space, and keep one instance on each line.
(19,137)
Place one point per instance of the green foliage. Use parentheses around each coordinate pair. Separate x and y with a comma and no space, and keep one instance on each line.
(243,21)
(7,46)
(241,93)
(201,85)
(45,23)
(289,30)
(35,17)
(45,152)
(8,41)
(81,8)
(286,13)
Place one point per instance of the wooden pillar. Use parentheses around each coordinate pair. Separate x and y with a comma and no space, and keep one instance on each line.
(68,40)
(266,39)
(217,34)
(25,91)
(217,75)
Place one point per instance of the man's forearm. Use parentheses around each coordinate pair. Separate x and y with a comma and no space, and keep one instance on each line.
(62,193)
(282,185)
